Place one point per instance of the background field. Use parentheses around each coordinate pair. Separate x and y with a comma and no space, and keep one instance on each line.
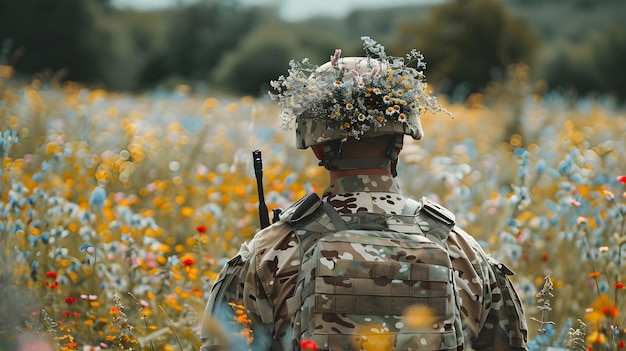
(123,192)
(106,194)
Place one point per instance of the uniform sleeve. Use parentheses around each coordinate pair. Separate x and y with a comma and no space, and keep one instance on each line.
(505,325)
(230,317)
(493,315)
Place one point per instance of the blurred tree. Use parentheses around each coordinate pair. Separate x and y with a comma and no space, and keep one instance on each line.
(133,39)
(569,67)
(610,51)
(265,54)
(200,35)
(468,43)
(595,66)
(51,34)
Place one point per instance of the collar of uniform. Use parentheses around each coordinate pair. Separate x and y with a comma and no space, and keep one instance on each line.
(378,194)
(363,183)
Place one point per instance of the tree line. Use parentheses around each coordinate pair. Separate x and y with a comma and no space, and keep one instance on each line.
(223,46)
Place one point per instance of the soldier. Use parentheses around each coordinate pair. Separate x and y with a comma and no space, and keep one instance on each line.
(364,267)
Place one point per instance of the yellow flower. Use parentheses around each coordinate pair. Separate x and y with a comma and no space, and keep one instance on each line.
(603,307)
(186,211)
(596,338)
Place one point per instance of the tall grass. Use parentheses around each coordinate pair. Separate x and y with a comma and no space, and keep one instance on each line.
(118,211)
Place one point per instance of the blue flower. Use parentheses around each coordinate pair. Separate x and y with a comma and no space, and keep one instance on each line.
(45,166)
(98,196)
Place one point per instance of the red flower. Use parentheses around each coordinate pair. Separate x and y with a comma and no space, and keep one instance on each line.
(188,261)
(621,345)
(67,313)
(609,311)
(619,285)
(51,275)
(621,179)
(201,229)
(309,345)
(70,300)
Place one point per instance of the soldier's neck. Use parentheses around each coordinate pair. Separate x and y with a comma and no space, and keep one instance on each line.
(340,173)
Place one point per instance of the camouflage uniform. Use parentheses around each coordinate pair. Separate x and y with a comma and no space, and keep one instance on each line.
(263,276)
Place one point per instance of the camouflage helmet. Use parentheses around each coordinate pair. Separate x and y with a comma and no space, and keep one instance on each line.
(354,97)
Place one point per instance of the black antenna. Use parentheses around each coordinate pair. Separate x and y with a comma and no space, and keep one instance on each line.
(264,218)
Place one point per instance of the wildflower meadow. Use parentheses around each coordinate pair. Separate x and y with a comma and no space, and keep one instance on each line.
(118,210)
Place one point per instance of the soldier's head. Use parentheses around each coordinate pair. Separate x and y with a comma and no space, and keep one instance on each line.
(373,100)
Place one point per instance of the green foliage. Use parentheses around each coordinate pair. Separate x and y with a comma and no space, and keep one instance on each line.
(202,33)
(264,55)
(105,194)
(570,20)
(593,67)
(466,42)
(133,39)
(610,51)
(52,35)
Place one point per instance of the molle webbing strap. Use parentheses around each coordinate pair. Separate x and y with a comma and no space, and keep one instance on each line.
(365,221)
(377,305)
(349,285)
(387,270)
(414,341)
(334,216)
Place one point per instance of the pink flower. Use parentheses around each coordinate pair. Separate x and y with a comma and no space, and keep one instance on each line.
(574,202)
(335,57)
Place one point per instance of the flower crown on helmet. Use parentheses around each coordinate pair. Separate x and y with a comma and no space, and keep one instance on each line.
(356,96)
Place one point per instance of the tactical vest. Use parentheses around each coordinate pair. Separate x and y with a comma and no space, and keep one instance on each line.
(370,281)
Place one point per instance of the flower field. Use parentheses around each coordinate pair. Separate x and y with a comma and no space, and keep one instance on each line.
(118,210)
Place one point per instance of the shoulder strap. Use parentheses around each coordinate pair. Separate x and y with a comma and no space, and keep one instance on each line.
(310,203)
(438,212)
(434,220)
(334,216)
(301,208)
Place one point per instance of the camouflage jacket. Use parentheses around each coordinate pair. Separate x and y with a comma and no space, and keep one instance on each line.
(250,295)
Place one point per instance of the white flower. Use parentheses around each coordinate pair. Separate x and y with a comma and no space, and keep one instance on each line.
(341,93)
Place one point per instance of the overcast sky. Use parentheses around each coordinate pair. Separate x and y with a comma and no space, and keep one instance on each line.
(292,10)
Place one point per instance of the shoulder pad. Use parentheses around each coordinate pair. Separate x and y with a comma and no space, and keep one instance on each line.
(437,211)
(301,208)
(411,207)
